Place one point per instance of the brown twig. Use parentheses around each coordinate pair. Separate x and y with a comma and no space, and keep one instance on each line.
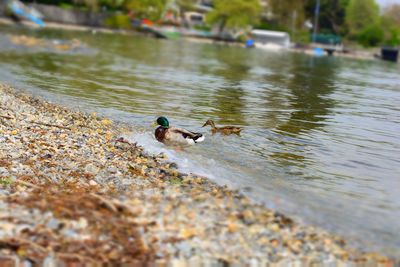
(21,241)
(49,125)
(105,201)
(122,140)
(6,117)
(125,206)
(27,184)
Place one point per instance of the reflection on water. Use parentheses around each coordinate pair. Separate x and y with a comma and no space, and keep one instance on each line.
(321,134)
(310,86)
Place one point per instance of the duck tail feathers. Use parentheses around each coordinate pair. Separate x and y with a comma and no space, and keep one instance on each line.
(198,138)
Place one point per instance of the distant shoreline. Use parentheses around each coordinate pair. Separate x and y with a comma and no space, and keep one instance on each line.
(70,27)
(356,54)
(55,25)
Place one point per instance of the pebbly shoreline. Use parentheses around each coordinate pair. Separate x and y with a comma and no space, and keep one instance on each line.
(72,191)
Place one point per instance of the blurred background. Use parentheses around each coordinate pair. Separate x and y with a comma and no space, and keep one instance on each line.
(366,23)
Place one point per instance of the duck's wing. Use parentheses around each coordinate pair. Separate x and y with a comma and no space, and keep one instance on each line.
(233,129)
(196,137)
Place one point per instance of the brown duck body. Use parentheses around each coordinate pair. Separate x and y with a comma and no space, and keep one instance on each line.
(174,135)
(225,130)
(160,133)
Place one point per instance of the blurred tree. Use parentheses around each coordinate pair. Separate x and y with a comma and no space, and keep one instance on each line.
(393,38)
(392,12)
(114,4)
(234,14)
(360,15)
(148,9)
(332,15)
(371,35)
(185,5)
(391,24)
(93,5)
(289,14)
(119,21)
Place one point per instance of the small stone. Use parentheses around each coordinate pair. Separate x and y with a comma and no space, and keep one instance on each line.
(53,224)
(232,227)
(274,227)
(93,183)
(92,169)
(82,223)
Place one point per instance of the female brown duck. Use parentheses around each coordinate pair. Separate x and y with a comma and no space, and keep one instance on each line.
(225,130)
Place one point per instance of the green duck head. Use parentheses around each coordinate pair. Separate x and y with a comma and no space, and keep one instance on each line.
(163,122)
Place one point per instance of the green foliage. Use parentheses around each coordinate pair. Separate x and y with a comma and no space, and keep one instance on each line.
(270,26)
(118,21)
(392,13)
(302,37)
(202,27)
(360,15)
(234,14)
(392,33)
(391,24)
(394,39)
(288,14)
(113,4)
(371,35)
(66,6)
(331,17)
(6,181)
(185,5)
(93,5)
(146,9)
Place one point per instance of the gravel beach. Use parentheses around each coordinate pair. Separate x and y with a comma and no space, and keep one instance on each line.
(74,192)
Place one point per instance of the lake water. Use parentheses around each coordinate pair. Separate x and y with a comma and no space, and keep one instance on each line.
(321,139)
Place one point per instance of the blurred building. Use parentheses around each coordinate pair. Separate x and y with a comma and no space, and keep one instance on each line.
(193,18)
(196,17)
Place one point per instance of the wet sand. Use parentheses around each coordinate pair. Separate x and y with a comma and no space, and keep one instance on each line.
(73,191)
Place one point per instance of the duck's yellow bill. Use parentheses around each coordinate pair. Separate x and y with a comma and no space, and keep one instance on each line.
(154,124)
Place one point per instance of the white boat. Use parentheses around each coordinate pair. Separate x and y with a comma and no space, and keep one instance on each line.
(271,40)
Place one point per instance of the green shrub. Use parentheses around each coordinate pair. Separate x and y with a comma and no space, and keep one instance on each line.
(202,28)
(66,6)
(394,39)
(118,21)
(6,181)
(270,27)
(302,37)
(372,35)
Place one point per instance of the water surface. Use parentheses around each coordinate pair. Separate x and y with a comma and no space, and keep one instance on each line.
(321,139)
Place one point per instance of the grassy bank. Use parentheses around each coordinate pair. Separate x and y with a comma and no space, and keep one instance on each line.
(72,190)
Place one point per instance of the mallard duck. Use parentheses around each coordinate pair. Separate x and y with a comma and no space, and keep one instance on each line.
(172,135)
(226,130)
